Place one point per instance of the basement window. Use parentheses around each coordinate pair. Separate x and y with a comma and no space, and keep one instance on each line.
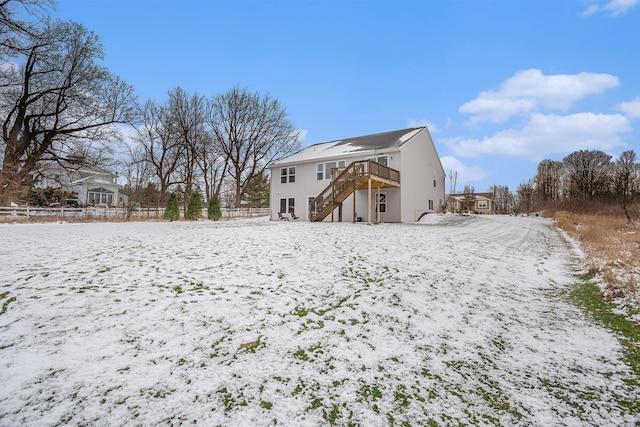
(288,205)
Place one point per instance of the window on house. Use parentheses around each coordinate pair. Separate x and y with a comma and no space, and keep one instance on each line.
(482,204)
(431,204)
(323,170)
(381,160)
(435,183)
(288,175)
(100,196)
(288,205)
(327,169)
(383,202)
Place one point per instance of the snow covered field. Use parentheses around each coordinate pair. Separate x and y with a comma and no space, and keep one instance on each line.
(457,320)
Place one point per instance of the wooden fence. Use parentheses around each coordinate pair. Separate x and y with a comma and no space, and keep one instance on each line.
(122,214)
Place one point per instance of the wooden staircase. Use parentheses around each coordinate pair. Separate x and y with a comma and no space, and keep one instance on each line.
(344,181)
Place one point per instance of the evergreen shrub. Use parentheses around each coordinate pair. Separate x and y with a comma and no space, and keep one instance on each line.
(194,208)
(172,211)
(213,209)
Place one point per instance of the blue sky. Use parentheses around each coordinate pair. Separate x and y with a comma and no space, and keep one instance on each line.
(501,84)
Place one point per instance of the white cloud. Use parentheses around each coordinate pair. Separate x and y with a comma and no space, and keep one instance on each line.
(614,7)
(547,134)
(466,174)
(529,91)
(631,109)
(413,123)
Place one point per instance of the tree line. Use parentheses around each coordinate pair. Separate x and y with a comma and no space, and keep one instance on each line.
(213,144)
(581,179)
(584,177)
(59,104)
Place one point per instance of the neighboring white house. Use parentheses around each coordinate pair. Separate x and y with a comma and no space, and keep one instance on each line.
(392,177)
(93,186)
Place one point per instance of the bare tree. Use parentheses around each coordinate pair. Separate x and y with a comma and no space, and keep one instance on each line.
(469,196)
(213,164)
(453,180)
(588,172)
(252,131)
(162,149)
(526,196)
(548,180)
(625,180)
(137,174)
(56,102)
(186,116)
(504,199)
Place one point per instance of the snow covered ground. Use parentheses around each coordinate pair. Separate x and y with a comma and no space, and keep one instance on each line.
(457,320)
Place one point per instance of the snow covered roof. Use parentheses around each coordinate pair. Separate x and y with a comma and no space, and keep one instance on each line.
(375,142)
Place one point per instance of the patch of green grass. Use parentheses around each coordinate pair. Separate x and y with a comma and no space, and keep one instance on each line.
(587,295)
(332,416)
(266,405)
(301,354)
(316,403)
(6,303)
(300,311)
(198,287)
(401,398)
(366,391)
(230,401)
(299,388)
(178,289)
(214,347)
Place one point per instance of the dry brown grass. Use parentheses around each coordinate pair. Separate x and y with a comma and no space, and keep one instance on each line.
(612,252)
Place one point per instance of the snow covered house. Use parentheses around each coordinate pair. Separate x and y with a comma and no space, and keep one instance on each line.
(93,186)
(392,177)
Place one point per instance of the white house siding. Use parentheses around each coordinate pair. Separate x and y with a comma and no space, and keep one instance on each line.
(420,166)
